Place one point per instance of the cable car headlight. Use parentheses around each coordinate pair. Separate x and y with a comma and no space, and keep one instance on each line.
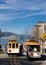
(9,50)
(35,49)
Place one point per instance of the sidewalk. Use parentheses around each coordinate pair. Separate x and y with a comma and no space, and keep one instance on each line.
(4,56)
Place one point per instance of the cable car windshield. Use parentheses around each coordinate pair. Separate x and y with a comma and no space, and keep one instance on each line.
(32,48)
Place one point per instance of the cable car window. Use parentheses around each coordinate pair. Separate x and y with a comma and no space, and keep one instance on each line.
(0,46)
(16,45)
(29,49)
(9,45)
(13,45)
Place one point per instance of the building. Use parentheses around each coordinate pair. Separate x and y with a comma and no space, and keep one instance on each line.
(41,29)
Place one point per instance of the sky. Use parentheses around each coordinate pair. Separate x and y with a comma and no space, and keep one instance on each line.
(18,15)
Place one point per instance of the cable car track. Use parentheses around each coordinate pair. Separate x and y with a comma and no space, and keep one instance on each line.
(22,61)
(14,60)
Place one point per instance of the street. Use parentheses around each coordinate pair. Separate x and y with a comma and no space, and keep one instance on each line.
(22,60)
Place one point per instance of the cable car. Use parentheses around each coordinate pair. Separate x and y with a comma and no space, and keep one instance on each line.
(13,47)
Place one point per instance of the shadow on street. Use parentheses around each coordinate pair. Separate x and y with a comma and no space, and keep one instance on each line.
(43,57)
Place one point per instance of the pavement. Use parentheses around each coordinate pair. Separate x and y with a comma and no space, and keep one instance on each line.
(4,61)
(4,56)
(21,60)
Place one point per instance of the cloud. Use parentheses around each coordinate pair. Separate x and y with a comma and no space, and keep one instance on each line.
(2,1)
(13,9)
(4,17)
(4,7)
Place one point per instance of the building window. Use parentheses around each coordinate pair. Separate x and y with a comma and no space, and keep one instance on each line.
(45,50)
(45,28)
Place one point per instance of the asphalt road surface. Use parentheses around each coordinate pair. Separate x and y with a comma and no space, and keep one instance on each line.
(22,60)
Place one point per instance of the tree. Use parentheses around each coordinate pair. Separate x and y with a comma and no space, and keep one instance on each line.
(28,33)
(35,32)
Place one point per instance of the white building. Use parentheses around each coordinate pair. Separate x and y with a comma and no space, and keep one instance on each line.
(42,30)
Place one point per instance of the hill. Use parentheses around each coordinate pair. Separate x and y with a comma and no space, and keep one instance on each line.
(5,36)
